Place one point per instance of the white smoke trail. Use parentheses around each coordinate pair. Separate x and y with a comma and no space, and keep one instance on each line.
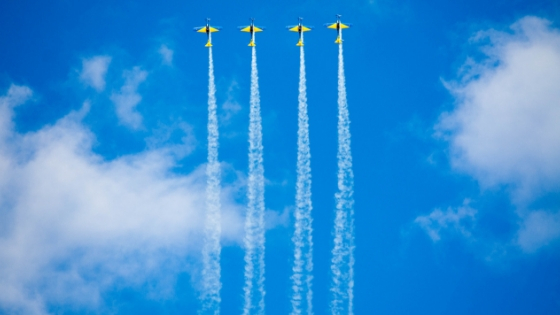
(342,265)
(254,223)
(303,242)
(211,250)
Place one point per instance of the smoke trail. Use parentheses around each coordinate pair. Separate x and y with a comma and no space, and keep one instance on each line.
(254,221)
(342,264)
(303,255)
(211,251)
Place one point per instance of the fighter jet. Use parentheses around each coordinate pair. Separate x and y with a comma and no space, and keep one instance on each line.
(338,26)
(300,29)
(251,29)
(208,30)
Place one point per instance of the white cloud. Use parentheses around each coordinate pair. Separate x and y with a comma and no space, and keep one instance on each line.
(94,70)
(539,228)
(73,225)
(127,98)
(504,128)
(166,55)
(459,220)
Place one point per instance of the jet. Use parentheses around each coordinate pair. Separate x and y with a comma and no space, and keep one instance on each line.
(338,26)
(300,29)
(251,29)
(208,30)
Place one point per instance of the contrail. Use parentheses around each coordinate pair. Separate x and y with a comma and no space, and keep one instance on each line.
(303,255)
(254,222)
(211,251)
(342,264)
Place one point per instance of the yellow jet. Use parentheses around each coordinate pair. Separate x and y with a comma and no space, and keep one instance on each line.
(251,29)
(338,26)
(208,30)
(300,29)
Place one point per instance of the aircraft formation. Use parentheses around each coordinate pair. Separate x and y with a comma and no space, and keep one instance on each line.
(252,29)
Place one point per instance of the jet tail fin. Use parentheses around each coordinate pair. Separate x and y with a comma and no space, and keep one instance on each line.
(299,44)
(338,41)
(252,44)
(208,44)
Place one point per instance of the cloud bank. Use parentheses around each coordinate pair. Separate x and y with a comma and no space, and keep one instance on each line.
(74,225)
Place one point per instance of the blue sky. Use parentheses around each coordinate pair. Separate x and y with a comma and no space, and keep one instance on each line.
(454,108)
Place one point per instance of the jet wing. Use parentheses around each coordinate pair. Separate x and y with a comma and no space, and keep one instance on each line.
(248,28)
(202,29)
(295,28)
(329,25)
(345,25)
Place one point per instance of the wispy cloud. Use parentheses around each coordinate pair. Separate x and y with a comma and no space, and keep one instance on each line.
(94,70)
(128,97)
(231,106)
(15,96)
(454,220)
(274,219)
(539,228)
(74,225)
(177,138)
(166,55)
